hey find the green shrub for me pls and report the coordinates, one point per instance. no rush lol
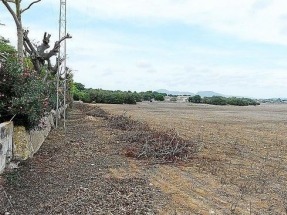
(237, 101)
(215, 100)
(23, 94)
(6, 49)
(195, 99)
(129, 99)
(147, 96)
(159, 97)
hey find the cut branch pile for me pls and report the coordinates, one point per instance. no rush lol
(144, 142)
(83, 107)
(125, 123)
(98, 112)
(165, 146)
(147, 143)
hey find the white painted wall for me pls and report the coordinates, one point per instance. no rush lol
(6, 144)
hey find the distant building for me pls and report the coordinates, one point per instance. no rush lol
(180, 99)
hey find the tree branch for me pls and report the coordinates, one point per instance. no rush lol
(54, 69)
(27, 49)
(5, 2)
(68, 36)
(27, 8)
(56, 48)
(45, 45)
(32, 51)
(29, 44)
(2, 55)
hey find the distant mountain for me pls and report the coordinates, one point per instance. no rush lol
(176, 93)
(201, 93)
(208, 94)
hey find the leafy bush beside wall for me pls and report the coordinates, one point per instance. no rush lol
(23, 94)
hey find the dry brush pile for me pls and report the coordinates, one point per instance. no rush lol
(146, 143)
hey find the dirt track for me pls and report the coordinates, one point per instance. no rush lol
(82, 172)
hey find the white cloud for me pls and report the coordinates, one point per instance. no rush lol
(106, 58)
(259, 20)
(143, 64)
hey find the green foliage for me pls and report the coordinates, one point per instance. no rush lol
(195, 99)
(159, 97)
(129, 98)
(219, 100)
(237, 101)
(149, 95)
(79, 92)
(79, 86)
(215, 100)
(137, 96)
(7, 49)
(104, 96)
(23, 94)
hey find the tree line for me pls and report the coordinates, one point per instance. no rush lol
(90, 95)
(220, 100)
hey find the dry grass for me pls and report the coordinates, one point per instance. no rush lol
(241, 166)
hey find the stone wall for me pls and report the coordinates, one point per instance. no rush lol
(18, 143)
(27, 143)
(6, 144)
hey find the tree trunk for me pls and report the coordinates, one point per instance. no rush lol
(20, 44)
(20, 32)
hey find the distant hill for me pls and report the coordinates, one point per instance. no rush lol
(176, 93)
(201, 93)
(208, 94)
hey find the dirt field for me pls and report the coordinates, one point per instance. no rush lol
(240, 167)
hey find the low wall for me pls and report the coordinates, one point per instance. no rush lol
(6, 144)
(27, 143)
(18, 143)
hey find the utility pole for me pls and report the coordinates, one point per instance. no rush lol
(62, 72)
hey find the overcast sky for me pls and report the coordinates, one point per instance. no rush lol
(228, 46)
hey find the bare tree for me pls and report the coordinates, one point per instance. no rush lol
(40, 56)
(17, 16)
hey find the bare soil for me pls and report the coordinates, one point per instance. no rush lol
(241, 164)
(239, 168)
